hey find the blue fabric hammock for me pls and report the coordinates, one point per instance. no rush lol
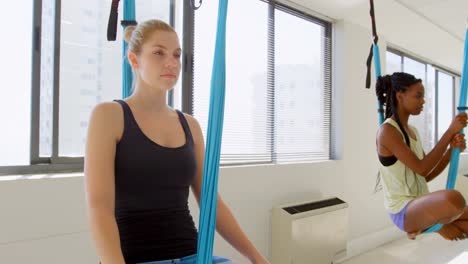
(208, 204)
(452, 175)
(128, 20)
(455, 157)
(209, 200)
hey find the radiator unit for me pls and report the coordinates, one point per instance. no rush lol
(313, 232)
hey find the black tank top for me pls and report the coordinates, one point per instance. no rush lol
(151, 194)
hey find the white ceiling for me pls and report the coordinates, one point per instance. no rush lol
(449, 15)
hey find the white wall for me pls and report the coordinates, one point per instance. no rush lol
(43, 220)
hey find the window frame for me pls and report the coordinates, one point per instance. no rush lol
(59, 164)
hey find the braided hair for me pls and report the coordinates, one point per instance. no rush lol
(387, 87)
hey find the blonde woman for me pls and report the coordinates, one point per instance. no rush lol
(142, 157)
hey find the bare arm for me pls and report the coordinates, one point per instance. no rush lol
(105, 124)
(390, 139)
(226, 224)
(440, 167)
(457, 142)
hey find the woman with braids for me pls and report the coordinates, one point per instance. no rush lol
(405, 169)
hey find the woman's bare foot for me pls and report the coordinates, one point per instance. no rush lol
(413, 235)
(463, 226)
(451, 232)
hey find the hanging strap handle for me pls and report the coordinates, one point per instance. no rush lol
(195, 7)
(113, 18)
(376, 40)
(112, 24)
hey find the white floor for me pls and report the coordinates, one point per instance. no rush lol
(427, 249)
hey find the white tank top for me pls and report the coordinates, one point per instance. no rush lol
(401, 184)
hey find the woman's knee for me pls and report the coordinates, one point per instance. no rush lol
(455, 200)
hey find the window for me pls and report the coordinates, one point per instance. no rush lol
(439, 95)
(445, 84)
(73, 67)
(277, 82)
(246, 132)
(277, 105)
(15, 111)
(394, 63)
(89, 63)
(302, 91)
(46, 79)
(424, 121)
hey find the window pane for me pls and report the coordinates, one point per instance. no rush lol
(15, 111)
(393, 63)
(179, 20)
(445, 86)
(47, 78)
(90, 66)
(430, 105)
(246, 131)
(301, 98)
(425, 121)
